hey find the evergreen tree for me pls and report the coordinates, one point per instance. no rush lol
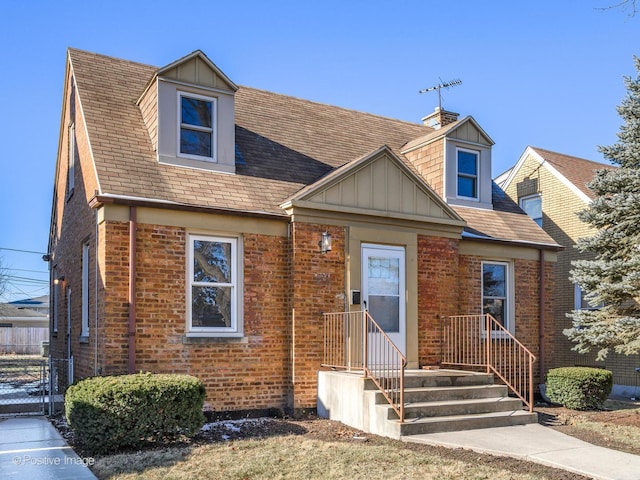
(612, 276)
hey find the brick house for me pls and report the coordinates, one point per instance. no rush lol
(552, 188)
(203, 227)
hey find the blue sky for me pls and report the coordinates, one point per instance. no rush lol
(546, 73)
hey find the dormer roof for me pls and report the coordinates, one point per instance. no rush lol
(196, 66)
(464, 129)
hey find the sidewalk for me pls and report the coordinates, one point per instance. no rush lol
(544, 445)
(31, 448)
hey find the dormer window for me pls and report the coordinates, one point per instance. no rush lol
(467, 173)
(189, 110)
(197, 126)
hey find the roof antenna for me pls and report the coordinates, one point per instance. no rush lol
(447, 85)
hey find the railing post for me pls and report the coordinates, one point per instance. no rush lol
(530, 384)
(402, 392)
(488, 341)
(365, 346)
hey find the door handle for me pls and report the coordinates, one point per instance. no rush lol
(365, 304)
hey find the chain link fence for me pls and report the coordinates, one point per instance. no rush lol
(23, 384)
(33, 385)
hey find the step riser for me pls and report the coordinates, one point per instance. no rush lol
(453, 393)
(420, 381)
(504, 405)
(447, 381)
(409, 428)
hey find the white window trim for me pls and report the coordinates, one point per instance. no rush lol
(530, 197)
(237, 324)
(466, 175)
(71, 163)
(85, 290)
(213, 129)
(509, 323)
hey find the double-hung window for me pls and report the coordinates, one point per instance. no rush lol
(197, 126)
(532, 205)
(214, 279)
(467, 164)
(495, 291)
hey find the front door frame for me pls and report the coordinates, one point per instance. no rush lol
(368, 250)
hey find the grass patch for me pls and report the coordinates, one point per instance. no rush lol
(623, 435)
(293, 457)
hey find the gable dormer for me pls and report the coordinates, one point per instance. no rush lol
(455, 160)
(188, 108)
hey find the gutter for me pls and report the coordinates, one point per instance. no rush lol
(514, 243)
(132, 288)
(99, 200)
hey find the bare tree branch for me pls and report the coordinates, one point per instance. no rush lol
(630, 5)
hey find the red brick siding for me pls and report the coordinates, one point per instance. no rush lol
(73, 224)
(318, 286)
(252, 374)
(527, 311)
(437, 293)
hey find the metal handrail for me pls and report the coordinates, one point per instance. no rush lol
(482, 341)
(353, 340)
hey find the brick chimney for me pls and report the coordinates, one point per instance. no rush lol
(439, 118)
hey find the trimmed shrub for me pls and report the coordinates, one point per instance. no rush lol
(129, 411)
(579, 388)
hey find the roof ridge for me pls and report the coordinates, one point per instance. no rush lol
(353, 110)
(538, 149)
(305, 100)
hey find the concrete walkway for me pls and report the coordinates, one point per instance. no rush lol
(544, 445)
(31, 448)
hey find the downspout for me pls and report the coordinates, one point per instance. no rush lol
(132, 289)
(541, 317)
(96, 370)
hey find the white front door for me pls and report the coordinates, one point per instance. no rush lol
(383, 290)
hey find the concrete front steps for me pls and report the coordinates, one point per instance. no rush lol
(435, 401)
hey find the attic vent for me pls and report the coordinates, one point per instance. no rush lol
(528, 186)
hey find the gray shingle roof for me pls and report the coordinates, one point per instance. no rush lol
(282, 145)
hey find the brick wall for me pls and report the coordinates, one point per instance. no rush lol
(437, 293)
(73, 224)
(526, 300)
(319, 287)
(238, 375)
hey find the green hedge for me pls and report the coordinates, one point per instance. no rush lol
(579, 388)
(129, 411)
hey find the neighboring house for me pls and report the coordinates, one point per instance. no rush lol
(24, 325)
(191, 219)
(552, 188)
